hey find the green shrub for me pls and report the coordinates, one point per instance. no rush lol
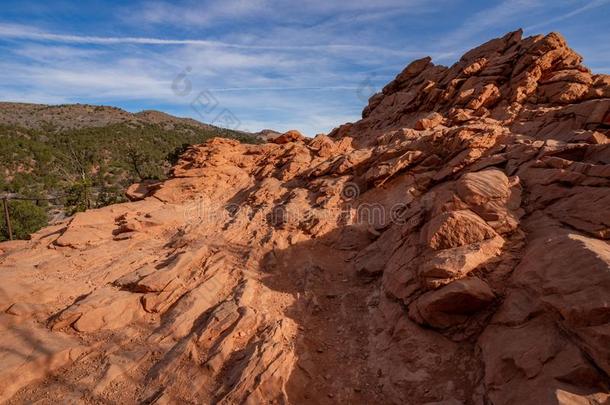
(26, 218)
(78, 197)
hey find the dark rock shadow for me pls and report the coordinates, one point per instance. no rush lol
(330, 310)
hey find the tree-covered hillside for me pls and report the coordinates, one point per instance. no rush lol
(71, 170)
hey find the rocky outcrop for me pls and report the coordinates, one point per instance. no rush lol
(450, 247)
(451, 304)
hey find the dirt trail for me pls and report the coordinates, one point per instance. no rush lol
(332, 315)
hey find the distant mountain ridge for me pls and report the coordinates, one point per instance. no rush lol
(78, 116)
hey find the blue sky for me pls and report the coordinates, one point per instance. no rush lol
(257, 64)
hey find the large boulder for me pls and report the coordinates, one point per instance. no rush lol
(451, 304)
(454, 229)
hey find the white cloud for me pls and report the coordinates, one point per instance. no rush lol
(197, 13)
(588, 6)
(13, 31)
(74, 79)
(283, 88)
(20, 96)
(496, 16)
(50, 53)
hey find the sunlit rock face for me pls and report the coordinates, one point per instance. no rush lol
(450, 247)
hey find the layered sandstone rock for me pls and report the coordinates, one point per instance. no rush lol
(450, 247)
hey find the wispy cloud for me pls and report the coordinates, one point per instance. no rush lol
(197, 13)
(160, 12)
(499, 15)
(50, 53)
(588, 6)
(106, 83)
(31, 33)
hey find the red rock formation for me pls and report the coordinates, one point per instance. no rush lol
(450, 247)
